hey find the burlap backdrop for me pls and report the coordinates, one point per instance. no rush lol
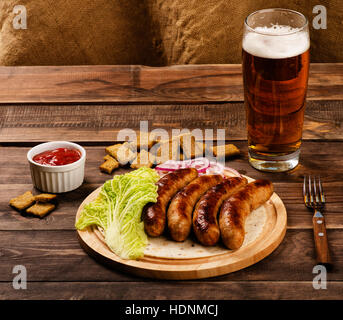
(69, 32)
(150, 32)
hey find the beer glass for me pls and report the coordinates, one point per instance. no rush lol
(275, 53)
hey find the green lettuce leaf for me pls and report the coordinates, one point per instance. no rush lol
(118, 209)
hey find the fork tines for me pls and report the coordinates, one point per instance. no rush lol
(313, 192)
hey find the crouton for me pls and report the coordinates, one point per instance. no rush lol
(144, 141)
(45, 197)
(23, 201)
(113, 150)
(227, 150)
(109, 165)
(41, 209)
(144, 159)
(190, 147)
(125, 154)
(168, 150)
(121, 152)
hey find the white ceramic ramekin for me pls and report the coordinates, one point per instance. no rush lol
(57, 179)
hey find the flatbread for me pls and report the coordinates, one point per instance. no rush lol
(163, 247)
(166, 248)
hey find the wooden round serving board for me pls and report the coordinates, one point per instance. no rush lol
(273, 232)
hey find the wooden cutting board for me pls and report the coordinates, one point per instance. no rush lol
(214, 264)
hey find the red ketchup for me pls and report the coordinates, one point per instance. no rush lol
(57, 157)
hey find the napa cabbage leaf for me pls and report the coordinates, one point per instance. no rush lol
(117, 211)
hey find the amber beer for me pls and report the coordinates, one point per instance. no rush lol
(275, 73)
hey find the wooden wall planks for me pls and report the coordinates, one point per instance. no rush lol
(95, 123)
(186, 83)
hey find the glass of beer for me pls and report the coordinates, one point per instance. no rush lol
(275, 56)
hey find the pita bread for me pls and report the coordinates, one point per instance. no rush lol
(164, 247)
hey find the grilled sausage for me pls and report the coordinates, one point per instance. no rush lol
(236, 209)
(154, 214)
(179, 215)
(205, 224)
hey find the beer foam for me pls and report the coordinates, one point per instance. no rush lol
(276, 42)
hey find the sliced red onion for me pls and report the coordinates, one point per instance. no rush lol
(203, 166)
(217, 167)
(185, 164)
(211, 171)
(170, 165)
(233, 171)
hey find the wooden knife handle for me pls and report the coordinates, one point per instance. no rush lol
(320, 239)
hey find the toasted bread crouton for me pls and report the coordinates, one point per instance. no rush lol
(41, 209)
(144, 141)
(168, 150)
(144, 159)
(121, 152)
(228, 150)
(45, 197)
(108, 157)
(191, 148)
(112, 150)
(109, 165)
(23, 201)
(125, 154)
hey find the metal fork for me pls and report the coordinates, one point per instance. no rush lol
(314, 199)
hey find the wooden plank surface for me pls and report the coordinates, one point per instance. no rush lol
(56, 255)
(90, 105)
(98, 123)
(186, 83)
(259, 290)
(50, 250)
(15, 179)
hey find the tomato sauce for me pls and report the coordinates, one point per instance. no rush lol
(57, 157)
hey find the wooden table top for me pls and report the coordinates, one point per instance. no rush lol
(89, 105)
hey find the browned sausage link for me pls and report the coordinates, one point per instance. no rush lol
(179, 215)
(236, 209)
(205, 224)
(154, 215)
